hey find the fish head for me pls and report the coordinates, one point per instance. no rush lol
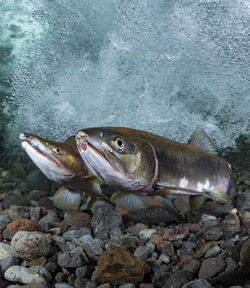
(59, 161)
(118, 157)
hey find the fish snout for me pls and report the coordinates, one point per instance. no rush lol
(22, 136)
(82, 140)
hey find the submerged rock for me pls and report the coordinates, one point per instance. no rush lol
(245, 255)
(154, 215)
(30, 245)
(24, 225)
(211, 267)
(23, 275)
(118, 266)
(105, 218)
(6, 251)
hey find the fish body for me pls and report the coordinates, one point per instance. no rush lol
(148, 164)
(62, 163)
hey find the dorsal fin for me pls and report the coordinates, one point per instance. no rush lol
(200, 139)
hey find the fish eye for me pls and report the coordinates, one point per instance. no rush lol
(119, 144)
(56, 149)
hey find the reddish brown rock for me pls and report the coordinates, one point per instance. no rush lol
(41, 261)
(156, 239)
(185, 259)
(118, 266)
(166, 233)
(24, 225)
(194, 227)
(77, 221)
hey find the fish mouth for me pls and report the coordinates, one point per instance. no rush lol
(38, 146)
(90, 145)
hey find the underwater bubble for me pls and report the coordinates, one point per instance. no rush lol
(164, 66)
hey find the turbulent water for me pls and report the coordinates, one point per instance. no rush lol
(163, 66)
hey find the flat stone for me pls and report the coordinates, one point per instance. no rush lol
(30, 245)
(200, 283)
(23, 275)
(105, 218)
(24, 225)
(214, 233)
(72, 259)
(211, 267)
(118, 266)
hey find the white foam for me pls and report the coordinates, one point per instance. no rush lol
(162, 66)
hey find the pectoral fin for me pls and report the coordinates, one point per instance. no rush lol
(129, 201)
(67, 200)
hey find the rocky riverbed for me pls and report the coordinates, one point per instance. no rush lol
(166, 245)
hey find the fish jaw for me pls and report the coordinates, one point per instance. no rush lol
(43, 160)
(98, 162)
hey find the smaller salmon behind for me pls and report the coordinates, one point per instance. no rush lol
(62, 163)
(143, 163)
